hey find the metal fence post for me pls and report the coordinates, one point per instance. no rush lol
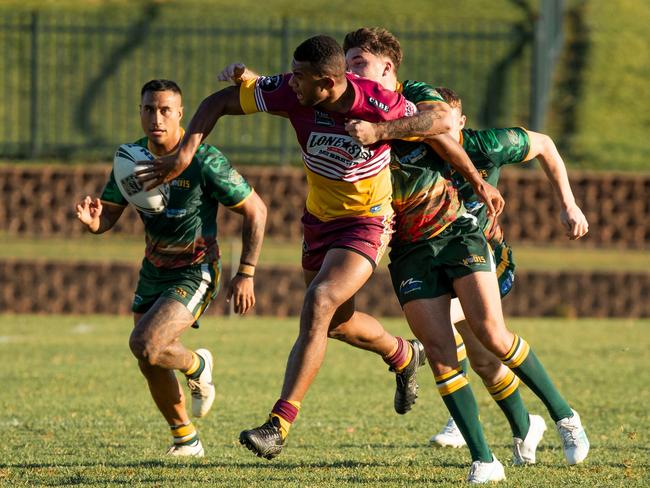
(284, 60)
(33, 87)
(547, 45)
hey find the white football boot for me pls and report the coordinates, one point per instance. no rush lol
(574, 438)
(202, 389)
(195, 449)
(523, 450)
(482, 472)
(449, 436)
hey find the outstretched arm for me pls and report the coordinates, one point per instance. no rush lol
(161, 170)
(98, 217)
(543, 148)
(241, 288)
(432, 118)
(451, 151)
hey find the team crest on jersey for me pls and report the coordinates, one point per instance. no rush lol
(323, 118)
(341, 149)
(378, 104)
(513, 137)
(269, 83)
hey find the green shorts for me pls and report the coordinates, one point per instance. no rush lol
(505, 267)
(427, 269)
(194, 286)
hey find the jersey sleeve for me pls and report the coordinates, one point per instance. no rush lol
(267, 94)
(223, 182)
(420, 92)
(505, 146)
(112, 193)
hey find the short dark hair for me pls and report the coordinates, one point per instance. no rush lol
(160, 85)
(451, 97)
(377, 41)
(324, 54)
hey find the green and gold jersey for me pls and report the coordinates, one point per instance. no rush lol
(424, 198)
(185, 233)
(489, 150)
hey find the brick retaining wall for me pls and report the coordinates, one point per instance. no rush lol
(39, 200)
(85, 288)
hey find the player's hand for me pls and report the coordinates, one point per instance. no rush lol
(365, 133)
(235, 72)
(574, 221)
(242, 291)
(160, 170)
(491, 197)
(89, 212)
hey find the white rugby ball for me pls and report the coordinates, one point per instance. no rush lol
(124, 165)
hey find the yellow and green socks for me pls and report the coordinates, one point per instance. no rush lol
(286, 412)
(459, 399)
(524, 363)
(194, 371)
(506, 394)
(184, 434)
(461, 352)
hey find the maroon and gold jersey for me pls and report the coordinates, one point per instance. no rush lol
(345, 179)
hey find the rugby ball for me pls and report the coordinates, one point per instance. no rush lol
(124, 165)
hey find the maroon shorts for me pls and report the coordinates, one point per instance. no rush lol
(368, 236)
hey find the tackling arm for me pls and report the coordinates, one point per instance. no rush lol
(432, 118)
(451, 151)
(543, 148)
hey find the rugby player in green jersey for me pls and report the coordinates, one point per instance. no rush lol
(426, 270)
(490, 150)
(180, 272)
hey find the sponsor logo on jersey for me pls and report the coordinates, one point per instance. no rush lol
(338, 148)
(474, 259)
(180, 292)
(409, 286)
(175, 213)
(323, 118)
(378, 104)
(375, 208)
(137, 299)
(181, 183)
(414, 156)
(269, 83)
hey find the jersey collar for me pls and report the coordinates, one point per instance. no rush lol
(150, 146)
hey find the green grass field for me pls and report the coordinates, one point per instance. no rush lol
(123, 249)
(75, 410)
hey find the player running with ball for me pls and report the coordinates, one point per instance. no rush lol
(180, 272)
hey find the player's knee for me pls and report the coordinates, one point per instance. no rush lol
(320, 300)
(145, 351)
